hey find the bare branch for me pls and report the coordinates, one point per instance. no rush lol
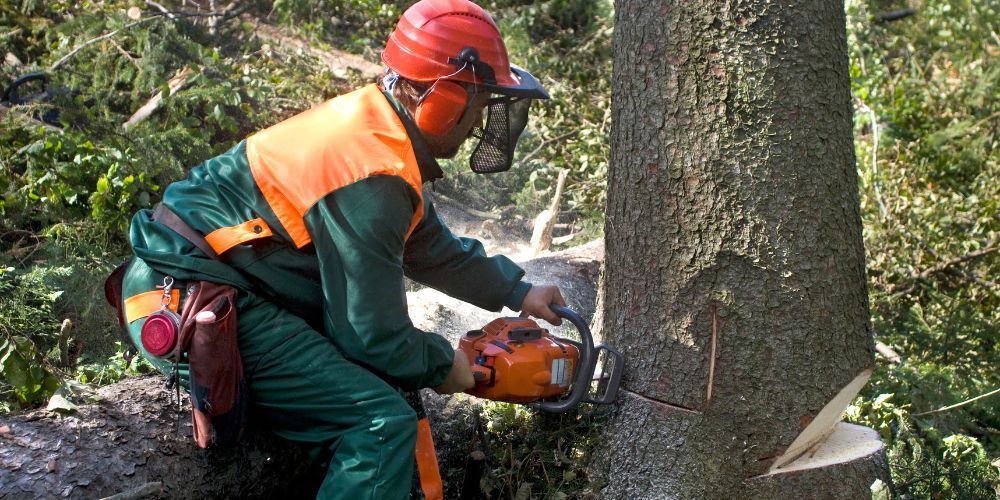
(174, 84)
(530, 156)
(95, 40)
(161, 8)
(963, 403)
(943, 266)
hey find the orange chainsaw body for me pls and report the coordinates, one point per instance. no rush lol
(515, 360)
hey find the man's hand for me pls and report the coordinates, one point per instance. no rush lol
(460, 376)
(538, 303)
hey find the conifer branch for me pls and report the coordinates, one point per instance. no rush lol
(95, 40)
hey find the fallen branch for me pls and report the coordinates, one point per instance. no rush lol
(958, 260)
(174, 84)
(95, 40)
(963, 403)
(875, 183)
(888, 353)
(121, 50)
(562, 240)
(161, 8)
(541, 237)
(948, 266)
(337, 61)
(470, 211)
(65, 331)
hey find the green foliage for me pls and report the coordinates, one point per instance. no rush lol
(539, 455)
(67, 193)
(926, 95)
(23, 373)
(925, 461)
(27, 332)
(120, 365)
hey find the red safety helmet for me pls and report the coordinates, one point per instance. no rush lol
(449, 41)
(456, 40)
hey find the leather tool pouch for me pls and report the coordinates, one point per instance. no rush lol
(219, 392)
(218, 389)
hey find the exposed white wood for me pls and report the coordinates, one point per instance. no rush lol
(846, 442)
(823, 424)
(174, 84)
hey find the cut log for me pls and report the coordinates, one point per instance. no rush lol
(134, 436)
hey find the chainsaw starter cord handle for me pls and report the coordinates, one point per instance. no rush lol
(584, 372)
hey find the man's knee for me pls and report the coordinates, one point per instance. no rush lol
(398, 417)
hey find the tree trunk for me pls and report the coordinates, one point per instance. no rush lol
(734, 277)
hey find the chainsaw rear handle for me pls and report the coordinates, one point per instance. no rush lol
(588, 360)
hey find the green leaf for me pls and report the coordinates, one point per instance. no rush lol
(59, 403)
(523, 492)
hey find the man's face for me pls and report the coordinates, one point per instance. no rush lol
(447, 146)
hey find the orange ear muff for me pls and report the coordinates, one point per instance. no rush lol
(441, 107)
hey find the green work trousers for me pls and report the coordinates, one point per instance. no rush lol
(303, 389)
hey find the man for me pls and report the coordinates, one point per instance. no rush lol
(316, 221)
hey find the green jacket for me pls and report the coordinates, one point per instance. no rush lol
(348, 282)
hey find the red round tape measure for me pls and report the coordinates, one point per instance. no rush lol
(159, 332)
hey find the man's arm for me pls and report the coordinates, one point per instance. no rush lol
(459, 266)
(358, 232)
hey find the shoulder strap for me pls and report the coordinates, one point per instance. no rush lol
(168, 218)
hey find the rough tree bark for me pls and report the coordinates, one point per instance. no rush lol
(734, 277)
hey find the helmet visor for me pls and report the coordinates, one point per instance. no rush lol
(505, 121)
(527, 85)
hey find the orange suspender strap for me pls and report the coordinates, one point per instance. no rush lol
(427, 464)
(224, 238)
(146, 303)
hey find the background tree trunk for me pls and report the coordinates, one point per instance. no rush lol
(734, 280)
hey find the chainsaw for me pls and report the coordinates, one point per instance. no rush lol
(517, 361)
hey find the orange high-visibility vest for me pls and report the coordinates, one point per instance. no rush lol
(346, 139)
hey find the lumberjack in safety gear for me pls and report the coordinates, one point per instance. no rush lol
(315, 222)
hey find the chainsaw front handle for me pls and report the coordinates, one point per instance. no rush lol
(581, 382)
(588, 365)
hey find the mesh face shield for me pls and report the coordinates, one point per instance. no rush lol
(505, 121)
